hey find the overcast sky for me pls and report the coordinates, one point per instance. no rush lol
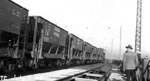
(96, 21)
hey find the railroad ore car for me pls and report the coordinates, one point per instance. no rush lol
(87, 52)
(46, 42)
(94, 54)
(13, 19)
(101, 55)
(76, 49)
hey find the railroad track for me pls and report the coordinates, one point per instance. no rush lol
(97, 74)
(93, 72)
(35, 71)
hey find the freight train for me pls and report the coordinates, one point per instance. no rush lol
(33, 42)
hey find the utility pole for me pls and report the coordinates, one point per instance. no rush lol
(138, 26)
(112, 48)
(120, 42)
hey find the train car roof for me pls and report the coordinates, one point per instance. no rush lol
(76, 36)
(87, 42)
(48, 22)
(17, 4)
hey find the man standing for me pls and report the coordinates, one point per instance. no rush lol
(130, 63)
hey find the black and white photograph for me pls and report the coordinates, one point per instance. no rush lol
(74, 40)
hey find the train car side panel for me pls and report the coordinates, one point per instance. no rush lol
(63, 37)
(10, 16)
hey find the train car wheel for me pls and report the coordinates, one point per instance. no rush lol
(67, 63)
(31, 65)
(8, 67)
(40, 63)
(1, 64)
(58, 63)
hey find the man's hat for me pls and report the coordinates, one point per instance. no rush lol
(129, 46)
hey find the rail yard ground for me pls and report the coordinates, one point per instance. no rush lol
(55, 75)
